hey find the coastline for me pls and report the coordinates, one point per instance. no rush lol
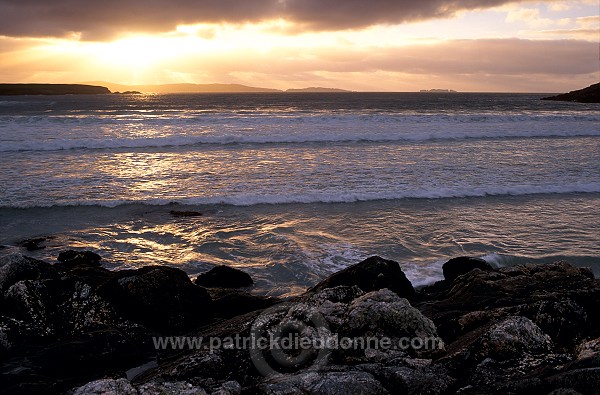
(532, 327)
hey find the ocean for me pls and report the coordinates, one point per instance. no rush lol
(293, 187)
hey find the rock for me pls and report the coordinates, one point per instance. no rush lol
(34, 302)
(71, 258)
(170, 388)
(384, 314)
(411, 380)
(159, 297)
(534, 290)
(511, 338)
(325, 383)
(224, 277)
(372, 274)
(229, 388)
(591, 94)
(106, 387)
(233, 303)
(14, 268)
(461, 265)
(523, 329)
(176, 213)
(564, 391)
(33, 244)
(588, 349)
(585, 381)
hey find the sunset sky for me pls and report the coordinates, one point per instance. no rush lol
(376, 45)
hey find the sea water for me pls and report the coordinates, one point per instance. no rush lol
(293, 187)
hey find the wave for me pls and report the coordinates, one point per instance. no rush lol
(342, 197)
(306, 138)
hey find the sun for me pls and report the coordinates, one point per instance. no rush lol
(134, 52)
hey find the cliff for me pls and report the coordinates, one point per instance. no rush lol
(591, 94)
(51, 89)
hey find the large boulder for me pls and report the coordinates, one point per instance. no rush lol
(72, 258)
(382, 313)
(511, 338)
(224, 277)
(464, 264)
(160, 297)
(556, 296)
(15, 268)
(372, 274)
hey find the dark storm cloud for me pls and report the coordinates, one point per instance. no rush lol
(103, 19)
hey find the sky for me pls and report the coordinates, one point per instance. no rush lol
(374, 45)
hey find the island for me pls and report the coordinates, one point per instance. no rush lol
(438, 90)
(51, 89)
(591, 94)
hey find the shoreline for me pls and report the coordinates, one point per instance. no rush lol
(72, 322)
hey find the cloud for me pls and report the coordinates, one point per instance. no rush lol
(105, 19)
(456, 57)
(529, 16)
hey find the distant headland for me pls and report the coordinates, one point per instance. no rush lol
(52, 89)
(591, 94)
(318, 89)
(101, 87)
(205, 88)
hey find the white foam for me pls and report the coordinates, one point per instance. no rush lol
(344, 197)
(48, 134)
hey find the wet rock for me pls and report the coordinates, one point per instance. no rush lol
(33, 244)
(384, 314)
(372, 274)
(585, 381)
(159, 297)
(513, 337)
(411, 380)
(72, 258)
(229, 388)
(325, 383)
(224, 277)
(14, 268)
(170, 388)
(588, 349)
(34, 302)
(176, 213)
(458, 266)
(530, 290)
(107, 386)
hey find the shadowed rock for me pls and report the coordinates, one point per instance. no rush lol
(160, 297)
(224, 277)
(72, 258)
(464, 264)
(33, 244)
(522, 330)
(372, 274)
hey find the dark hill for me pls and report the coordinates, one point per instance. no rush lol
(591, 94)
(51, 89)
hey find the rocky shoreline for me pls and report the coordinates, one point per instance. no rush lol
(75, 327)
